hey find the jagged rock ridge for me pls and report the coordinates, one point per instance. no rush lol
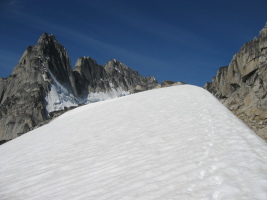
(242, 85)
(43, 85)
(93, 78)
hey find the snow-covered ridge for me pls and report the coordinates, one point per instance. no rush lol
(170, 143)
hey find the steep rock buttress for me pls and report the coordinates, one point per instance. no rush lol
(242, 85)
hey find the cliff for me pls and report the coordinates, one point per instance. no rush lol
(242, 85)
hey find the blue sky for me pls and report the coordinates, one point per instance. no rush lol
(179, 40)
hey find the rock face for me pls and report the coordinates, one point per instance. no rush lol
(43, 85)
(89, 76)
(122, 76)
(114, 76)
(171, 83)
(22, 105)
(242, 86)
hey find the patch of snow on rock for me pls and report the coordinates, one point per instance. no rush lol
(101, 96)
(59, 96)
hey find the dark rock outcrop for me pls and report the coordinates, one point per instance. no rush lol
(89, 76)
(43, 86)
(171, 83)
(242, 86)
(93, 78)
(119, 75)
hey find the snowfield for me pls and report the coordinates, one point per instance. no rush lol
(171, 143)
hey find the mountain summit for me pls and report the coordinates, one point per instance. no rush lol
(43, 83)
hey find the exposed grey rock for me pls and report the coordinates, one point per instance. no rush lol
(93, 78)
(171, 83)
(242, 86)
(55, 57)
(119, 75)
(22, 94)
(21, 108)
(90, 77)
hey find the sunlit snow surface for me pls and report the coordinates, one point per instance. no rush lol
(172, 143)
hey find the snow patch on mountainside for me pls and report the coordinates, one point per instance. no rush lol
(171, 143)
(101, 96)
(59, 96)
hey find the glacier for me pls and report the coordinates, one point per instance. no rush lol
(170, 143)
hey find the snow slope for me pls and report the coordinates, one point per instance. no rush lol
(171, 143)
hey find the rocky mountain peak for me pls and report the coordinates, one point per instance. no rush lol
(30, 93)
(115, 66)
(45, 38)
(81, 61)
